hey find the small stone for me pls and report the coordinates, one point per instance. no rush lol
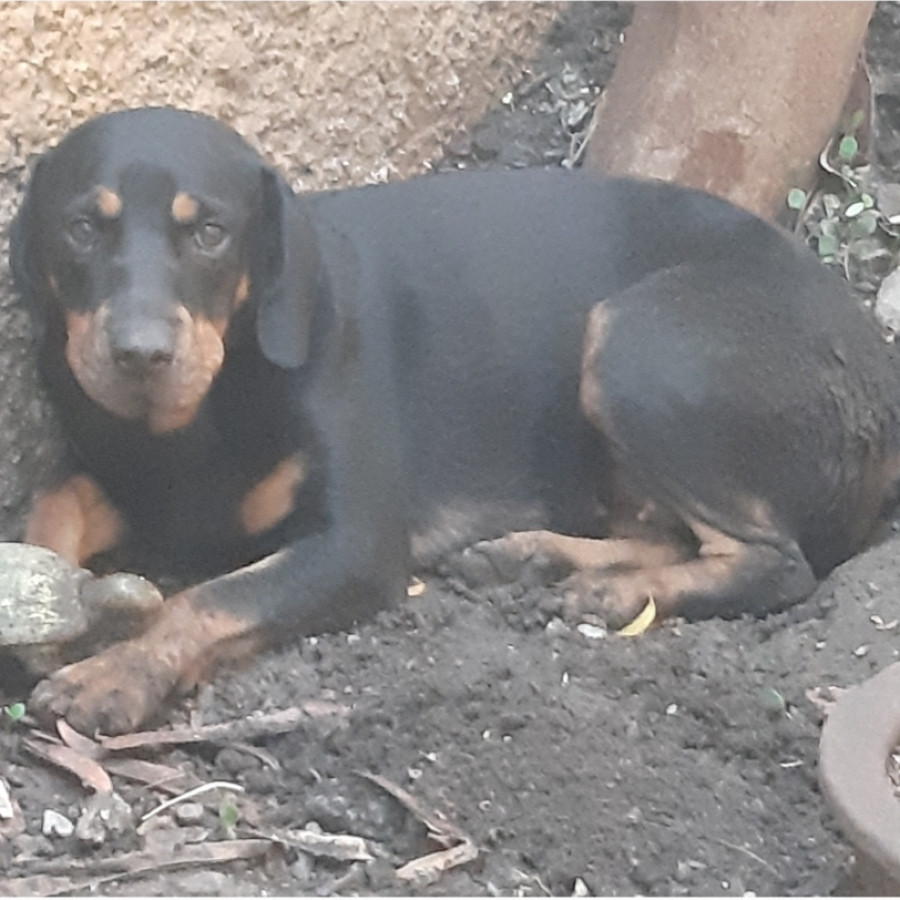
(887, 305)
(189, 813)
(302, 867)
(593, 632)
(104, 815)
(6, 807)
(234, 762)
(556, 627)
(54, 824)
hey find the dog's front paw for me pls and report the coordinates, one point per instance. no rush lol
(114, 692)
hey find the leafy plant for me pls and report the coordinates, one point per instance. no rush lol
(843, 221)
(228, 816)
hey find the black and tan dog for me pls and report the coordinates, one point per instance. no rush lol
(634, 387)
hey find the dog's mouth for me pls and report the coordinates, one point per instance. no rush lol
(162, 393)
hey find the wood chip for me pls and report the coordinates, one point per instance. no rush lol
(427, 869)
(342, 847)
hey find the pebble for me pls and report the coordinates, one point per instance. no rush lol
(302, 867)
(54, 824)
(104, 815)
(189, 813)
(234, 762)
(6, 807)
(592, 632)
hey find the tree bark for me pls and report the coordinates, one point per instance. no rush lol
(735, 98)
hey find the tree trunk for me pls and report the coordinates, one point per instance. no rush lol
(734, 98)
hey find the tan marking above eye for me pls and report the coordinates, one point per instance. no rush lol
(271, 500)
(109, 203)
(184, 208)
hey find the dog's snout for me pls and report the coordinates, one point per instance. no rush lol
(143, 346)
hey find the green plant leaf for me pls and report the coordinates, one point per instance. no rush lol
(796, 198)
(14, 711)
(228, 813)
(772, 701)
(848, 147)
(827, 245)
(864, 224)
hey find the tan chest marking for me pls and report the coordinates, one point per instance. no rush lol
(271, 500)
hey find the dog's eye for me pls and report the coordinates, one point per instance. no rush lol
(209, 235)
(82, 233)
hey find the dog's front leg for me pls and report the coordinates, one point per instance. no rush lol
(320, 583)
(356, 564)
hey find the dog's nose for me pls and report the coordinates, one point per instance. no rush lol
(145, 348)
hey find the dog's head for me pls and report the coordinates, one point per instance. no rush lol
(141, 235)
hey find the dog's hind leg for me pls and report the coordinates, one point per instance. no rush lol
(727, 576)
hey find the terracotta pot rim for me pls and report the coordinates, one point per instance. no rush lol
(859, 735)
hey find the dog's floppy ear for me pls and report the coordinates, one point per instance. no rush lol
(286, 274)
(27, 270)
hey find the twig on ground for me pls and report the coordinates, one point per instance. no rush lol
(128, 865)
(238, 730)
(458, 847)
(749, 853)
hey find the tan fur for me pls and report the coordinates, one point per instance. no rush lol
(272, 499)
(109, 203)
(184, 208)
(75, 520)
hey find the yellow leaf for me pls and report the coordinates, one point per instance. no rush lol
(644, 619)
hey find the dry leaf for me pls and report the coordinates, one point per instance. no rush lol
(77, 741)
(150, 773)
(644, 619)
(89, 771)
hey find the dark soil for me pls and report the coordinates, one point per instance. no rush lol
(682, 762)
